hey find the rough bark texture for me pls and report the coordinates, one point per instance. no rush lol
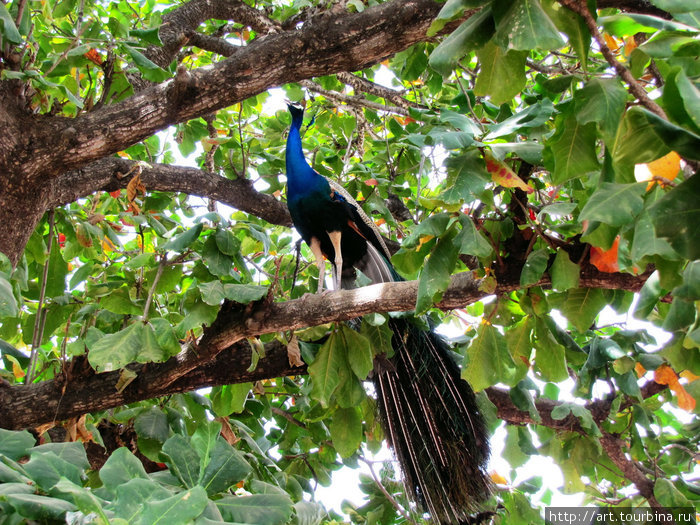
(37, 149)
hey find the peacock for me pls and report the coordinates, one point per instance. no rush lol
(429, 414)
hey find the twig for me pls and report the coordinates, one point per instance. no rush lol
(149, 299)
(634, 87)
(355, 100)
(386, 493)
(38, 324)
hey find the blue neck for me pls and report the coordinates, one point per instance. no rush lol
(301, 177)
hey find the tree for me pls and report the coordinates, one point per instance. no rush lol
(501, 166)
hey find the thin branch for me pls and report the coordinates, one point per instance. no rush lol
(353, 100)
(635, 88)
(386, 493)
(38, 333)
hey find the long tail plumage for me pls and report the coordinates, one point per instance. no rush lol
(429, 413)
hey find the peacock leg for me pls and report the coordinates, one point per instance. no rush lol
(338, 263)
(320, 263)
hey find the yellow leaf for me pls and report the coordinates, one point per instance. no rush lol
(423, 239)
(612, 42)
(664, 375)
(498, 479)
(687, 374)
(630, 45)
(667, 166)
(640, 369)
(107, 245)
(16, 368)
(503, 175)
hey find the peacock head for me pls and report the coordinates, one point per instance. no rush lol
(297, 112)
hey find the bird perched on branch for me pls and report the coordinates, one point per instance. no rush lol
(428, 413)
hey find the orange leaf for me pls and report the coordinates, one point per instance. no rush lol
(687, 374)
(667, 166)
(94, 56)
(371, 182)
(640, 369)
(630, 45)
(503, 175)
(664, 375)
(612, 42)
(606, 260)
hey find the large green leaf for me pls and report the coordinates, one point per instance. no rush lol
(35, 507)
(15, 445)
(601, 100)
(325, 369)
(534, 267)
(121, 467)
(8, 303)
(8, 30)
(582, 306)
(180, 508)
(346, 430)
(573, 147)
(682, 100)
(526, 26)
(183, 240)
(502, 74)
(257, 509)
(644, 136)
(676, 217)
(435, 276)
(229, 399)
(490, 362)
(183, 459)
(471, 35)
(614, 204)
(226, 467)
(359, 351)
(565, 273)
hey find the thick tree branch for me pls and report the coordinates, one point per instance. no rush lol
(105, 174)
(219, 355)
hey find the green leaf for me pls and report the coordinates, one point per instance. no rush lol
(180, 508)
(574, 26)
(472, 34)
(676, 217)
(8, 303)
(152, 424)
(582, 306)
(229, 399)
(602, 100)
(85, 499)
(148, 69)
(550, 357)
(682, 100)
(149, 36)
(669, 496)
(626, 24)
(531, 117)
(46, 469)
(346, 430)
(218, 263)
(379, 336)
(502, 74)
(9, 29)
(212, 292)
(258, 509)
(359, 351)
(134, 495)
(526, 26)
(15, 445)
(119, 302)
(435, 276)
(614, 204)
(183, 240)
(325, 369)
(227, 242)
(226, 467)
(36, 507)
(534, 267)
(489, 361)
(645, 241)
(244, 293)
(58, 269)
(121, 467)
(573, 147)
(472, 240)
(644, 136)
(565, 274)
(183, 460)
